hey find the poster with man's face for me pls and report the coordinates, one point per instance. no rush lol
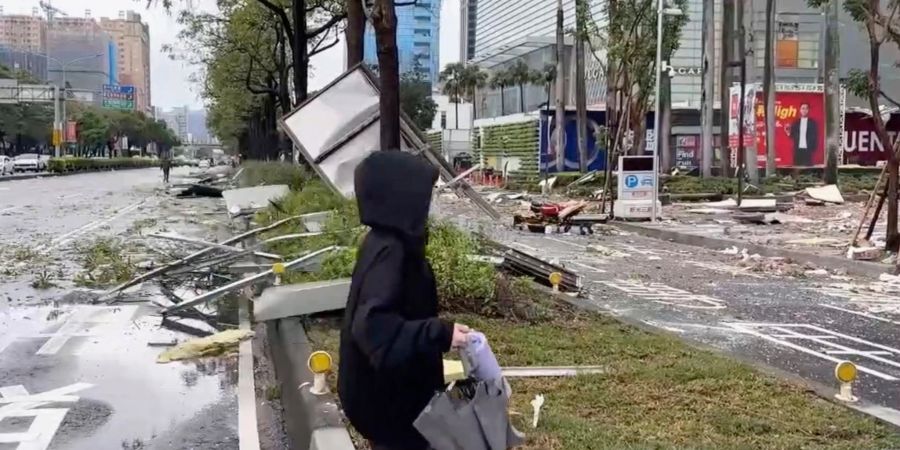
(799, 129)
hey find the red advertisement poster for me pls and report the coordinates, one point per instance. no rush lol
(861, 143)
(799, 129)
(71, 131)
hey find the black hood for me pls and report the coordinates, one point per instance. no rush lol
(393, 191)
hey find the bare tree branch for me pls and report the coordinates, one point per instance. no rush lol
(282, 16)
(327, 25)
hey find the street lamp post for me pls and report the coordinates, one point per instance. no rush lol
(59, 124)
(661, 11)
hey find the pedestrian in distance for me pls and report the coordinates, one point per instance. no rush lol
(392, 341)
(165, 163)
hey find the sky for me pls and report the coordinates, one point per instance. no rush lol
(169, 84)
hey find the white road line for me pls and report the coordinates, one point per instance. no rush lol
(862, 314)
(848, 350)
(591, 268)
(10, 209)
(665, 295)
(561, 241)
(800, 348)
(248, 434)
(855, 339)
(70, 236)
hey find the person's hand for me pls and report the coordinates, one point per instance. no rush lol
(460, 336)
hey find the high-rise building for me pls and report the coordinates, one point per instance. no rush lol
(418, 39)
(79, 53)
(132, 55)
(23, 33)
(178, 120)
(468, 18)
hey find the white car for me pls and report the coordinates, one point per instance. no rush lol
(204, 164)
(28, 162)
(6, 165)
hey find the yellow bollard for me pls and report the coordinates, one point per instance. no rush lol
(555, 279)
(278, 270)
(320, 365)
(845, 372)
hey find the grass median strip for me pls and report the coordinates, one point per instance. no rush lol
(659, 392)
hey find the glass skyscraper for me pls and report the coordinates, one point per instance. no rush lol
(418, 28)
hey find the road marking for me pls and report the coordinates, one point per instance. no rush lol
(665, 295)
(523, 246)
(10, 209)
(562, 241)
(79, 324)
(70, 236)
(724, 268)
(859, 313)
(793, 332)
(45, 421)
(585, 266)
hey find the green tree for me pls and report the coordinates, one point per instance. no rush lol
(415, 99)
(521, 75)
(460, 81)
(627, 36)
(499, 81)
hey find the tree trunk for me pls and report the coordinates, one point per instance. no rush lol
(521, 98)
(502, 101)
(456, 106)
(300, 52)
(769, 87)
(665, 122)
(746, 22)
(707, 95)
(725, 79)
(832, 93)
(580, 90)
(892, 236)
(355, 32)
(384, 20)
(560, 89)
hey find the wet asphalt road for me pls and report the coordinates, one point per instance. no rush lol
(74, 375)
(802, 324)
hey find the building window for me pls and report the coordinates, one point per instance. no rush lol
(787, 46)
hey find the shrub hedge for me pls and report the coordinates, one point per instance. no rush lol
(60, 165)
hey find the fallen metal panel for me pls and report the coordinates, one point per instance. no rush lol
(253, 198)
(193, 256)
(561, 371)
(218, 292)
(201, 242)
(521, 263)
(301, 299)
(315, 222)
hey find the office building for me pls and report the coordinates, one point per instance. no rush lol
(418, 28)
(468, 16)
(80, 53)
(178, 120)
(23, 33)
(132, 55)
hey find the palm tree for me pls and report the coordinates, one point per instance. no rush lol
(520, 75)
(473, 78)
(452, 77)
(500, 81)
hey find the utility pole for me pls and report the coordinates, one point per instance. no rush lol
(706, 97)
(560, 90)
(769, 87)
(725, 79)
(832, 92)
(580, 94)
(751, 167)
(741, 61)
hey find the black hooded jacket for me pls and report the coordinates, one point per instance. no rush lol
(391, 338)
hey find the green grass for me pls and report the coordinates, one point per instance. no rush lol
(659, 393)
(104, 262)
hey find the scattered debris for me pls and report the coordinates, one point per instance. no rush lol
(864, 253)
(523, 264)
(827, 194)
(249, 200)
(555, 371)
(215, 345)
(200, 190)
(536, 405)
(301, 299)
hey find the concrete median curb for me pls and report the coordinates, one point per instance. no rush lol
(864, 268)
(31, 176)
(312, 421)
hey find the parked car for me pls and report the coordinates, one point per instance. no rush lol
(6, 165)
(204, 164)
(27, 162)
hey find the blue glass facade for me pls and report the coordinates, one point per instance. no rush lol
(418, 34)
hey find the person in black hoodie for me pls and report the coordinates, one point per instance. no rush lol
(391, 339)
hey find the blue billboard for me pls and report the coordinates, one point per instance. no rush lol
(552, 162)
(116, 96)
